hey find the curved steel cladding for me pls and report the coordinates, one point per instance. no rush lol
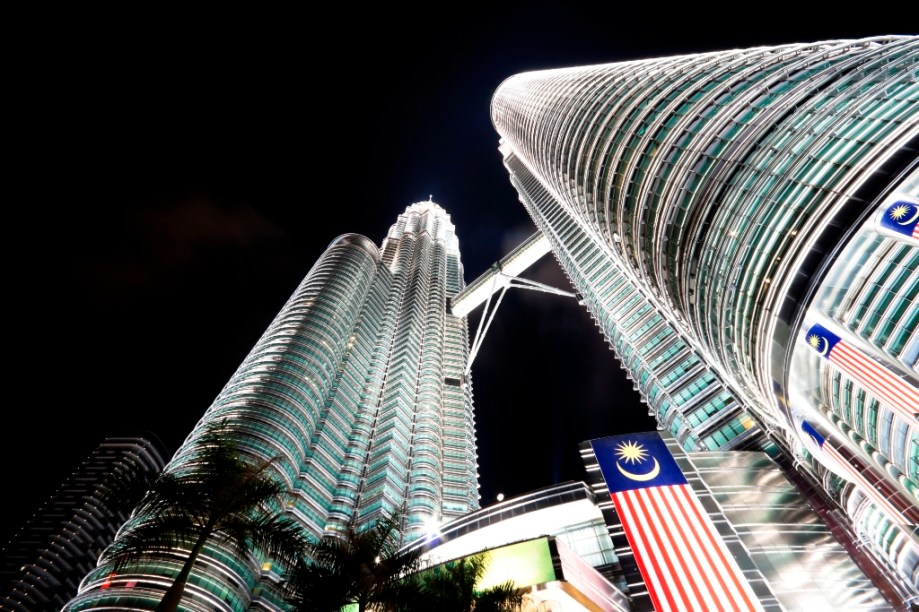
(280, 394)
(739, 197)
(833, 116)
(274, 405)
(862, 394)
(683, 393)
(357, 386)
(276, 398)
(708, 174)
(49, 556)
(422, 453)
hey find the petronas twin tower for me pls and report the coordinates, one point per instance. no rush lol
(357, 385)
(742, 225)
(732, 221)
(357, 382)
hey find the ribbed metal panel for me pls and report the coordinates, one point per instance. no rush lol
(352, 387)
(730, 195)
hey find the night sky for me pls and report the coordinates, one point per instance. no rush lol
(175, 176)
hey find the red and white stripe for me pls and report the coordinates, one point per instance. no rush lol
(859, 479)
(681, 556)
(896, 393)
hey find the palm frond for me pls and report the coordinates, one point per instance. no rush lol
(313, 588)
(170, 493)
(277, 536)
(363, 562)
(158, 533)
(252, 486)
(214, 495)
(505, 597)
(124, 487)
(451, 587)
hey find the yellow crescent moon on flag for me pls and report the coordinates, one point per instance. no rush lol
(826, 346)
(913, 218)
(641, 477)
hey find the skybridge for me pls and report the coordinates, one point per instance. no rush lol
(502, 275)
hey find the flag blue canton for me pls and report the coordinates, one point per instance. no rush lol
(809, 430)
(636, 461)
(821, 339)
(901, 216)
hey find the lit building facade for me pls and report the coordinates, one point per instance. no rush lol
(358, 386)
(783, 548)
(741, 225)
(568, 517)
(44, 562)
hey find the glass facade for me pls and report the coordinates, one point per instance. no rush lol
(687, 397)
(870, 299)
(710, 210)
(357, 386)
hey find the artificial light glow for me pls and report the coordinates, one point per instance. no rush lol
(431, 526)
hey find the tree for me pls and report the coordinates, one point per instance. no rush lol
(361, 565)
(220, 498)
(451, 587)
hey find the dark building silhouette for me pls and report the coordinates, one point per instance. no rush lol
(44, 562)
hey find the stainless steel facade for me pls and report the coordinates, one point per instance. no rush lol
(711, 210)
(358, 385)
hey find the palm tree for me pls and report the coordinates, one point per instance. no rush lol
(220, 499)
(361, 565)
(451, 587)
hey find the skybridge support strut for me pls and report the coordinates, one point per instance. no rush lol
(500, 283)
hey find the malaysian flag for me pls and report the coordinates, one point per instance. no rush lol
(836, 463)
(893, 391)
(682, 558)
(902, 217)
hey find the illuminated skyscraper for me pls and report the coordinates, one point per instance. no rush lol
(742, 227)
(358, 386)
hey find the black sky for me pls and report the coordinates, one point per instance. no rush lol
(176, 175)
